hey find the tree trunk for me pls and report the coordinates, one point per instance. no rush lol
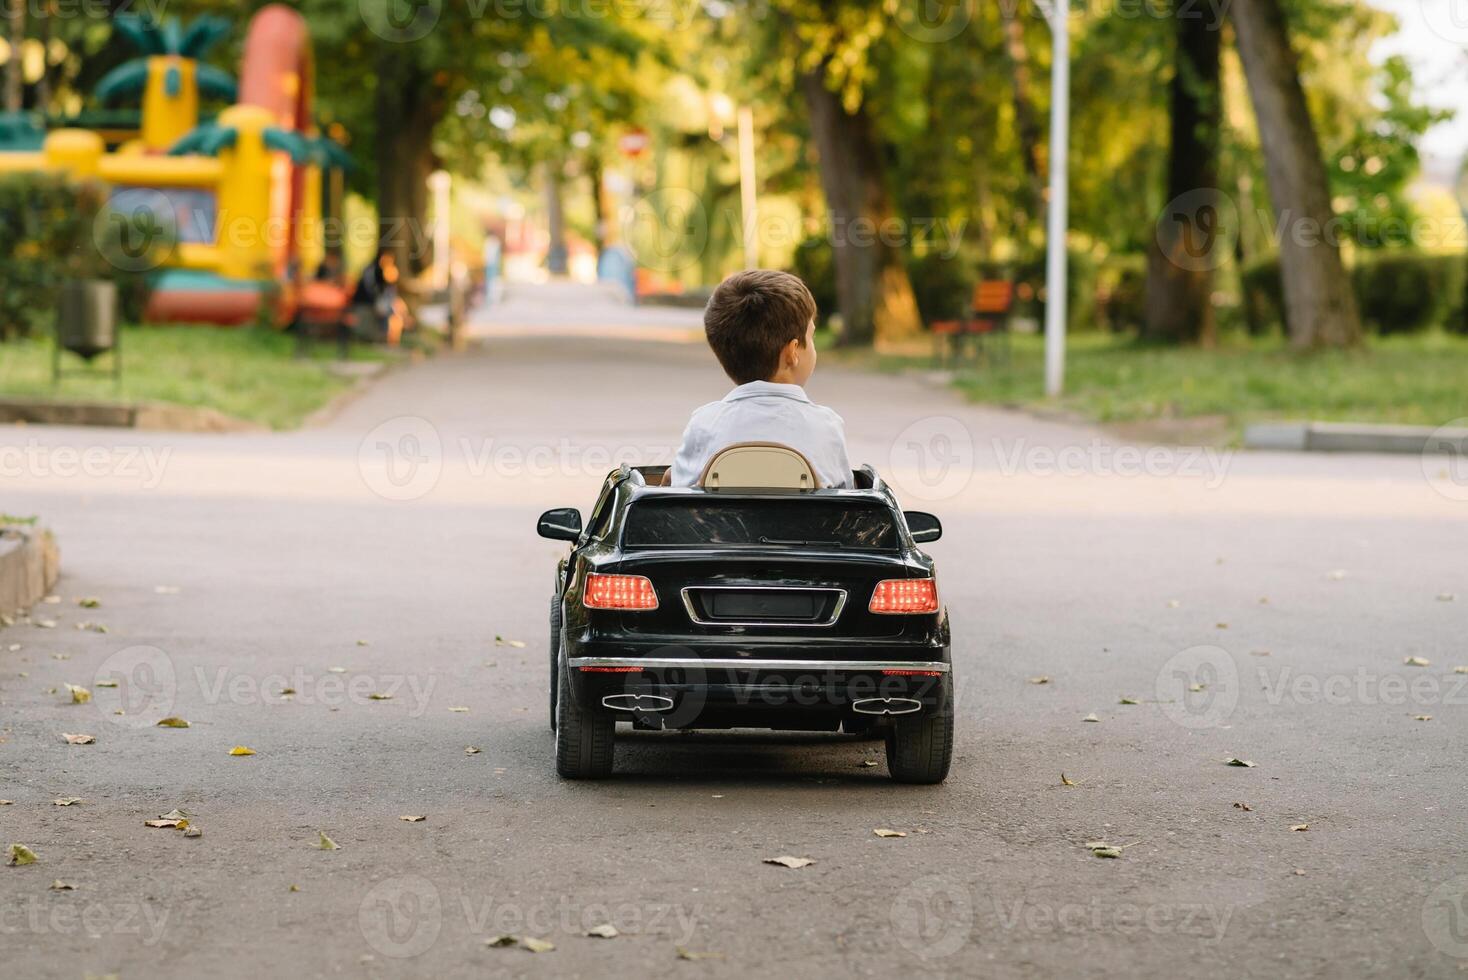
(603, 229)
(1026, 120)
(557, 258)
(1179, 306)
(873, 292)
(407, 108)
(1320, 307)
(14, 80)
(43, 32)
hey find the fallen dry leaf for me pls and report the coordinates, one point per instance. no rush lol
(413, 819)
(193, 832)
(107, 683)
(537, 945)
(689, 954)
(1091, 717)
(67, 800)
(786, 861)
(604, 931)
(175, 814)
(459, 708)
(337, 670)
(1244, 806)
(1300, 827)
(884, 832)
(326, 843)
(1422, 717)
(20, 854)
(1065, 780)
(166, 824)
(79, 695)
(1445, 597)
(470, 750)
(868, 763)
(497, 942)
(1106, 852)
(1337, 575)
(241, 750)
(1417, 662)
(377, 696)
(1128, 701)
(172, 722)
(363, 643)
(1244, 763)
(62, 886)
(1042, 679)
(78, 739)
(7, 803)
(89, 602)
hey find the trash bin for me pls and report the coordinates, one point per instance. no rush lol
(86, 322)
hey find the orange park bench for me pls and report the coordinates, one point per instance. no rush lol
(987, 322)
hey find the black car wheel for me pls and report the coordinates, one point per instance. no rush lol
(920, 747)
(584, 737)
(555, 654)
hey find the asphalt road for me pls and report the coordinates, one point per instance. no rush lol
(385, 552)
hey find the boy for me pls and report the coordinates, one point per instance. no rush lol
(761, 326)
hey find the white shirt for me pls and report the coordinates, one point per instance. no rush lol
(763, 411)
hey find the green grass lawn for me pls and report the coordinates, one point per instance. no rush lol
(246, 372)
(1421, 379)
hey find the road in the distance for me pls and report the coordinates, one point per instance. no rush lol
(1104, 572)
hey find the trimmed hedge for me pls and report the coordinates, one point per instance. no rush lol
(1398, 292)
(48, 234)
(1106, 295)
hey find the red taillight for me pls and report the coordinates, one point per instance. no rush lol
(899, 596)
(619, 592)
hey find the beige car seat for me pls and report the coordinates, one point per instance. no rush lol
(762, 465)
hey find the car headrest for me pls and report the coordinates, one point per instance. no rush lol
(758, 465)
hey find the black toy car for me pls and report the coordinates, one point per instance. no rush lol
(808, 610)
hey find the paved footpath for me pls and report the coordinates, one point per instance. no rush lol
(384, 553)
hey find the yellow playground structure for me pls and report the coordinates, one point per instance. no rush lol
(240, 203)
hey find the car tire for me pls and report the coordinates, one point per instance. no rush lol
(920, 747)
(555, 655)
(585, 738)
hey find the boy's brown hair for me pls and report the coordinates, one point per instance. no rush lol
(752, 316)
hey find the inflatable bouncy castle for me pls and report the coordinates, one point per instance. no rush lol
(244, 198)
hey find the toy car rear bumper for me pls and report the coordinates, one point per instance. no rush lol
(719, 687)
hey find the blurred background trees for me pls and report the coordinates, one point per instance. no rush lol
(901, 148)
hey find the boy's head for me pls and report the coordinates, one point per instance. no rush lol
(761, 325)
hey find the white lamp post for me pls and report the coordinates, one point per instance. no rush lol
(1055, 270)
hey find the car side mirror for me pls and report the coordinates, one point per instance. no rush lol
(924, 527)
(561, 524)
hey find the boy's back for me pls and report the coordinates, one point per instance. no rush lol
(761, 326)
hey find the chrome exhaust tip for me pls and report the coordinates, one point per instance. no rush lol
(637, 702)
(886, 706)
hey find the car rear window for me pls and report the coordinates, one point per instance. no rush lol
(778, 522)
